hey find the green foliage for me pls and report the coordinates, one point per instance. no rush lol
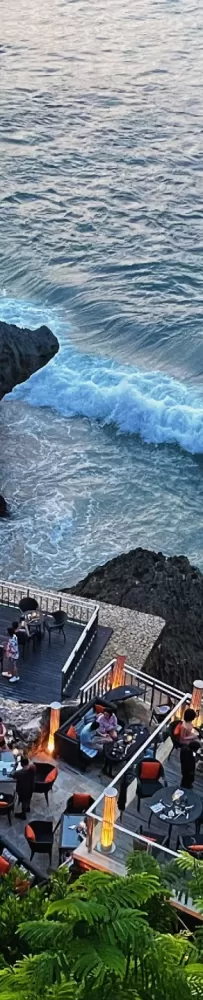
(101, 935)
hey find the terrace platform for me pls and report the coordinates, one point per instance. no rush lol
(40, 671)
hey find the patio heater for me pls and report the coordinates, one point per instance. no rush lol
(196, 700)
(54, 723)
(106, 844)
(118, 673)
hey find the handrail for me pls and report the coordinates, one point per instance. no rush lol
(140, 674)
(13, 592)
(79, 649)
(150, 739)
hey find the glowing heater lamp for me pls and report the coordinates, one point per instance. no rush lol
(118, 676)
(54, 723)
(197, 696)
(106, 844)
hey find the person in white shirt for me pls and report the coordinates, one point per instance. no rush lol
(12, 653)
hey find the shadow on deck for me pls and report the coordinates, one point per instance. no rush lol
(40, 671)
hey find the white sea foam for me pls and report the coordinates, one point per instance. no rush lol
(158, 408)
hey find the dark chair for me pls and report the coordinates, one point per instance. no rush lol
(194, 845)
(157, 839)
(159, 714)
(55, 623)
(79, 803)
(45, 777)
(150, 778)
(39, 835)
(7, 806)
(28, 604)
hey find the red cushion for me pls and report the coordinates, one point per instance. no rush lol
(177, 730)
(99, 709)
(80, 800)
(4, 866)
(51, 776)
(72, 732)
(150, 769)
(2, 803)
(29, 832)
(195, 847)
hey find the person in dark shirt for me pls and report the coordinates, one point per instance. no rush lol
(25, 780)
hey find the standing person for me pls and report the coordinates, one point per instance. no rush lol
(187, 732)
(25, 780)
(187, 762)
(12, 653)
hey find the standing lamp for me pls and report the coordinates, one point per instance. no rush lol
(118, 674)
(54, 723)
(196, 700)
(106, 844)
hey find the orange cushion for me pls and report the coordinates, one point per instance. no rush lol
(2, 803)
(51, 776)
(80, 800)
(177, 730)
(72, 732)
(195, 847)
(29, 832)
(99, 709)
(4, 866)
(150, 769)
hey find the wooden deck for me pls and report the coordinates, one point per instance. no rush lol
(40, 671)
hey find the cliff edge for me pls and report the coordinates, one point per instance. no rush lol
(168, 587)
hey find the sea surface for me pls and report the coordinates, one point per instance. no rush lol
(101, 222)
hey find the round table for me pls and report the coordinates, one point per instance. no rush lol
(165, 795)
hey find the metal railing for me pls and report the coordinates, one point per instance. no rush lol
(151, 690)
(79, 651)
(77, 609)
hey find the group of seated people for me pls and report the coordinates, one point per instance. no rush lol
(102, 728)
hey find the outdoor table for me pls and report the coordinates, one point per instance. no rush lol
(69, 836)
(120, 751)
(164, 796)
(7, 769)
(123, 692)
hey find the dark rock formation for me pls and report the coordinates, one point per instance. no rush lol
(22, 352)
(4, 512)
(172, 588)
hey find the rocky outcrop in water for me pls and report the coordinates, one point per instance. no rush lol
(170, 587)
(22, 352)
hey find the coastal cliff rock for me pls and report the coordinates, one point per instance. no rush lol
(170, 587)
(22, 352)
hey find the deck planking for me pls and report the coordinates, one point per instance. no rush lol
(40, 671)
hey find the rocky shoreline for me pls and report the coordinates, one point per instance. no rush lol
(22, 352)
(168, 587)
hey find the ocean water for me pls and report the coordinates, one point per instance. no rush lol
(101, 238)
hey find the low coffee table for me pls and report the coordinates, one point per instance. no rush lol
(165, 796)
(69, 836)
(120, 751)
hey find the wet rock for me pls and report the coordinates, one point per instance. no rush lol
(4, 512)
(22, 352)
(168, 587)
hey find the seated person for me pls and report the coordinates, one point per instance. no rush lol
(107, 725)
(187, 732)
(90, 737)
(20, 627)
